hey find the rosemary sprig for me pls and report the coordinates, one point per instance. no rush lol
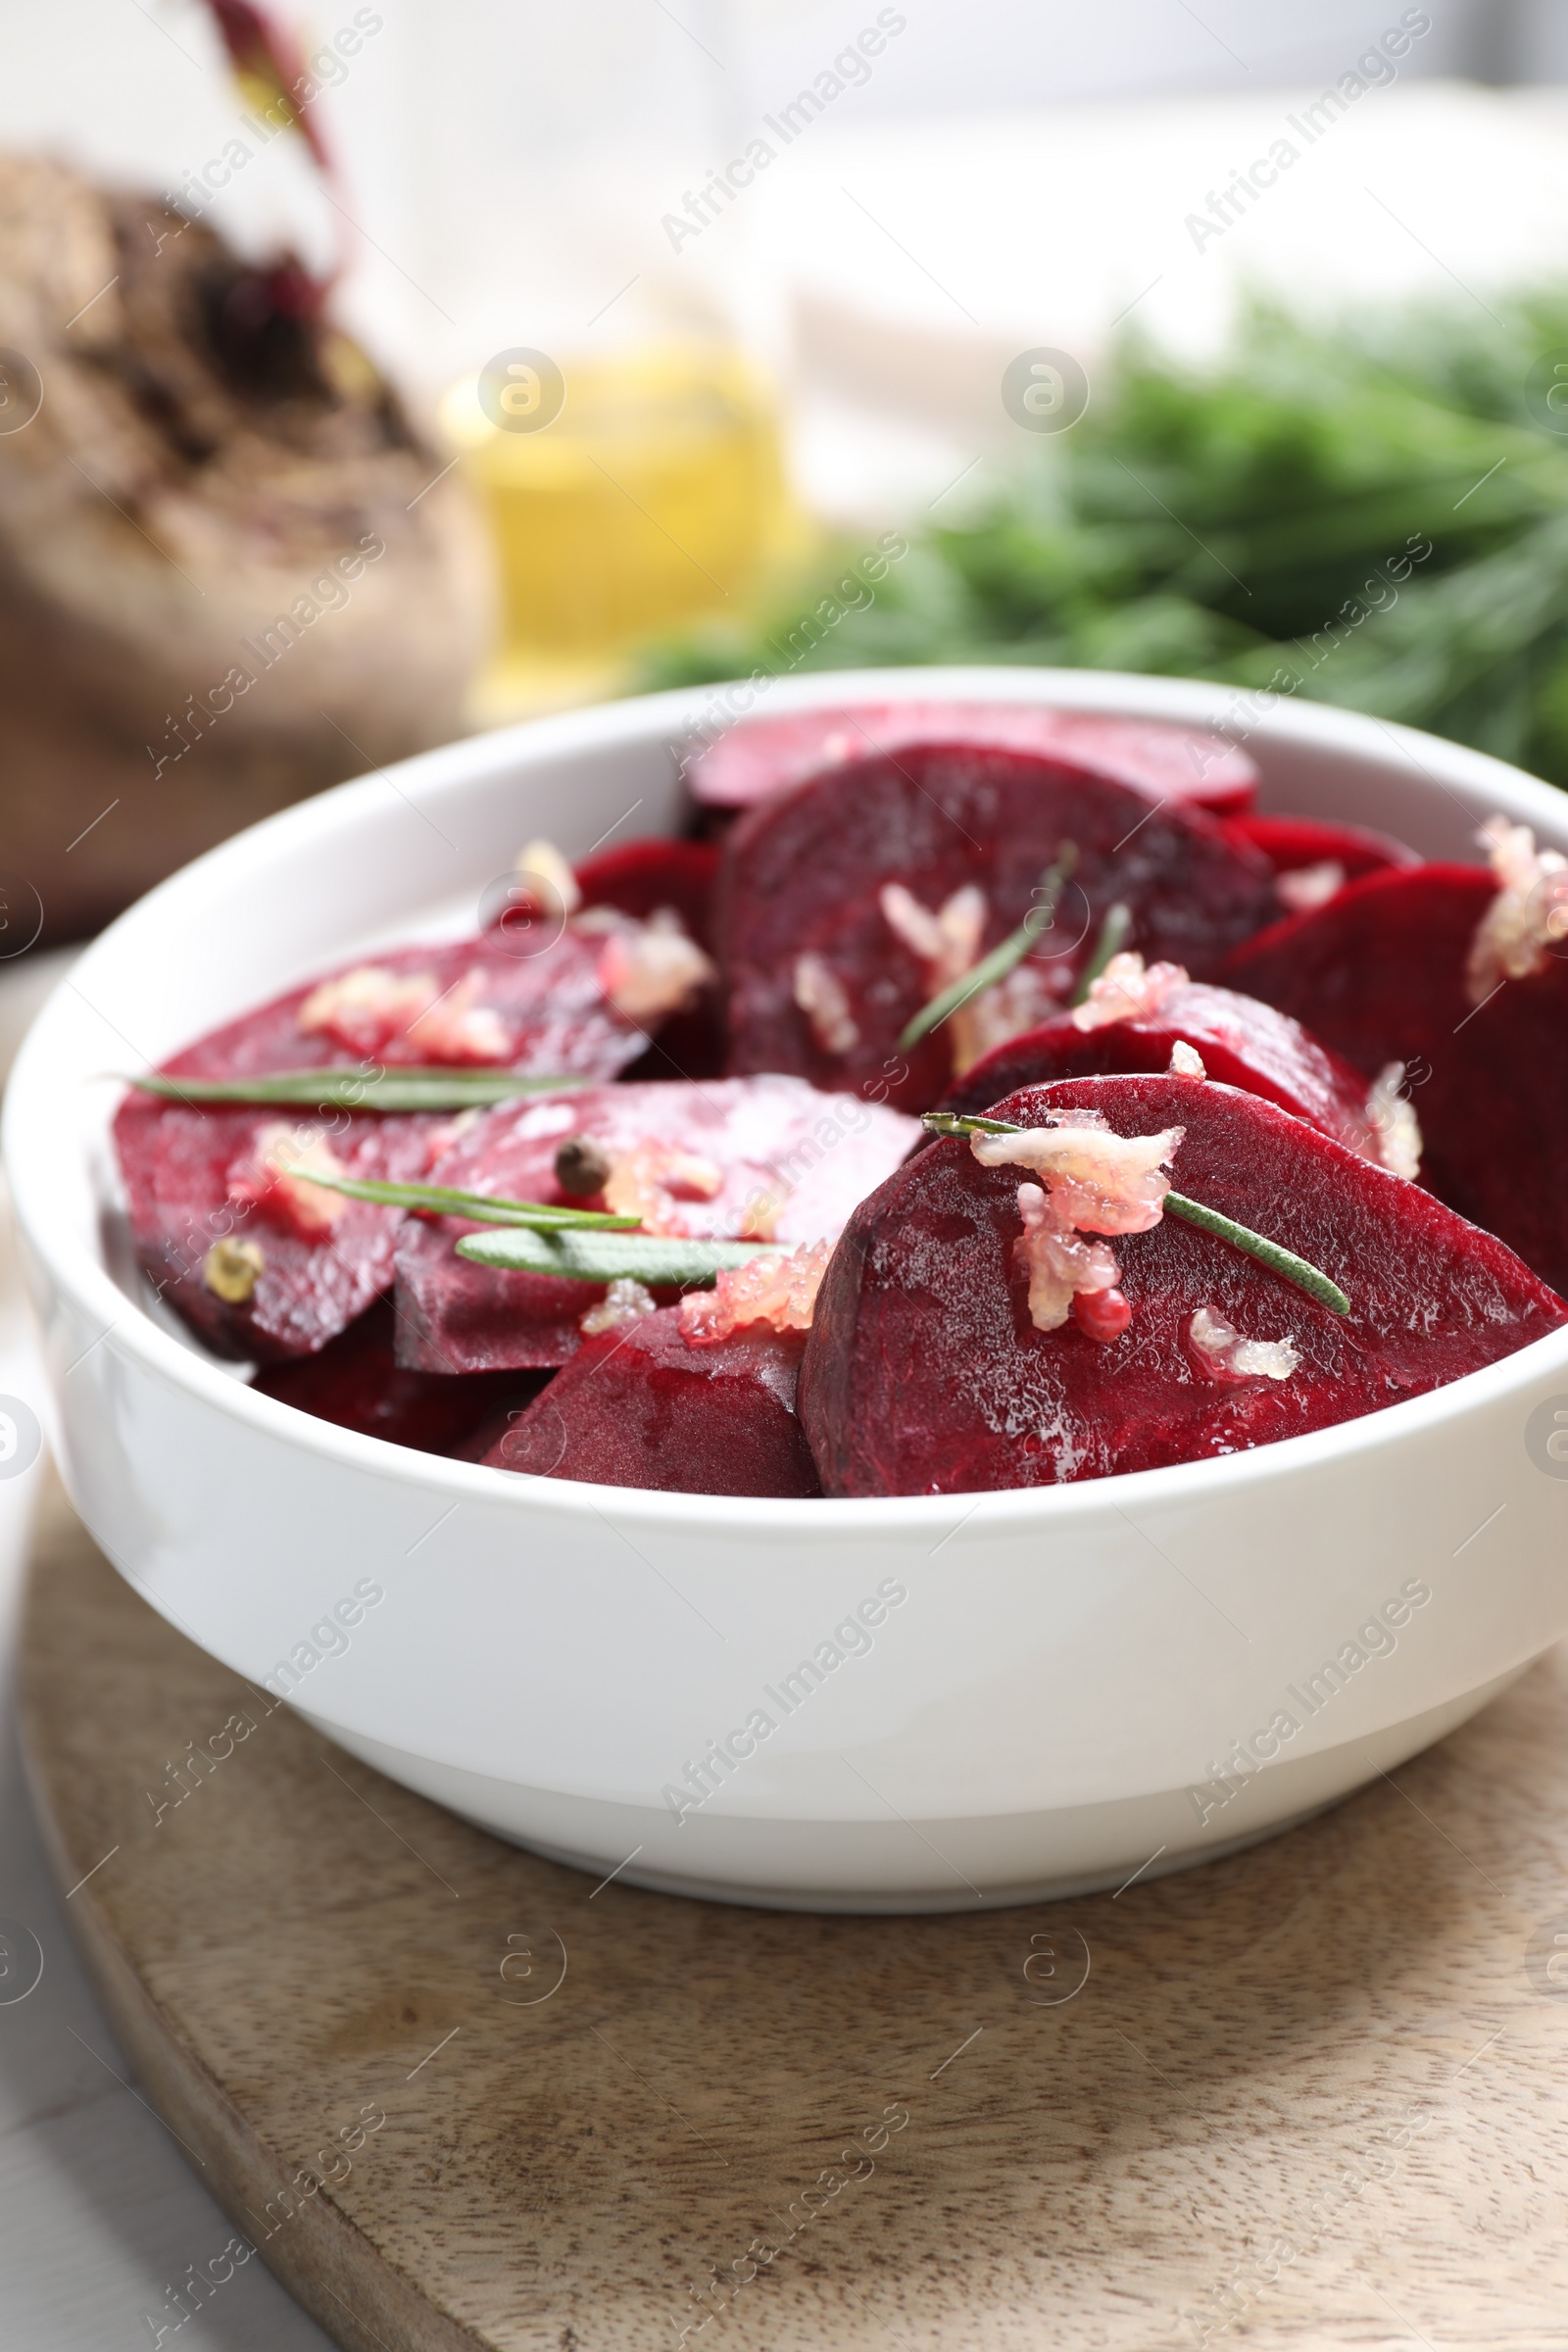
(1114, 933)
(582, 1255)
(337, 1088)
(484, 1208)
(1273, 1255)
(966, 1122)
(1003, 958)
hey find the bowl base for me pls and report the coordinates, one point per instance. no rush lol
(919, 1903)
(891, 1866)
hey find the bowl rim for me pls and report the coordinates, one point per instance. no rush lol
(32, 1140)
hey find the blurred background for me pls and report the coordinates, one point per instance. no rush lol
(631, 332)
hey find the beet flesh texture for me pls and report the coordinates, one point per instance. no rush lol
(356, 1382)
(923, 1374)
(177, 1161)
(454, 1316)
(638, 1407)
(803, 872)
(748, 763)
(1378, 973)
(1242, 1042)
(1290, 843)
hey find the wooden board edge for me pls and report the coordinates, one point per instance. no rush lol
(351, 2288)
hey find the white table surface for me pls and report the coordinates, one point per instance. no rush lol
(99, 2211)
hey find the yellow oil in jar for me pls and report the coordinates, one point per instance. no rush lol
(654, 496)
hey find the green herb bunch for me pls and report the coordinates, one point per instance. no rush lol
(1372, 516)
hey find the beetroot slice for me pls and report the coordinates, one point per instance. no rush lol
(923, 1374)
(1290, 841)
(646, 875)
(1161, 761)
(539, 1012)
(356, 1383)
(1379, 975)
(639, 1407)
(1243, 1044)
(770, 1139)
(1313, 862)
(181, 1166)
(640, 879)
(803, 872)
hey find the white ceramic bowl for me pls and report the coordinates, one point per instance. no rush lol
(1057, 1699)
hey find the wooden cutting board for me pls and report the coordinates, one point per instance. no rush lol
(1311, 2096)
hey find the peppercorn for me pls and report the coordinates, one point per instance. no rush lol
(582, 1169)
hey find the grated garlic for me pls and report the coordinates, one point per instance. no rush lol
(948, 945)
(824, 999)
(554, 885)
(1128, 990)
(1395, 1129)
(1100, 1182)
(1228, 1357)
(1059, 1261)
(455, 1028)
(625, 1302)
(283, 1164)
(366, 1009)
(651, 969)
(1529, 916)
(780, 1292)
(650, 1181)
(1307, 887)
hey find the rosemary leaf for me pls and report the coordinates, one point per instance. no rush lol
(483, 1208)
(1114, 933)
(337, 1089)
(1278, 1260)
(1003, 958)
(956, 1122)
(600, 1257)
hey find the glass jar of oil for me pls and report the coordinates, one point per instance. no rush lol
(652, 496)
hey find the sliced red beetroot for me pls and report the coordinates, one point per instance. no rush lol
(1379, 974)
(763, 756)
(924, 1374)
(259, 1263)
(767, 1156)
(646, 875)
(642, 1407)
(640, 879)
(357, 1383)
(1313, 861)
(1241, 1042)
(462, 1001)
(803, 921)
(198, 1178)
